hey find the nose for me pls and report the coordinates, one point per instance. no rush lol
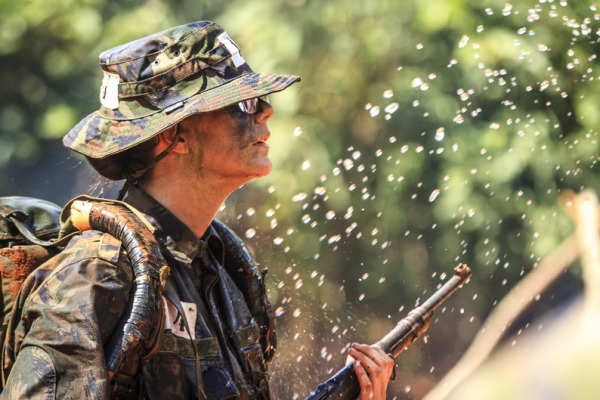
(265, 111)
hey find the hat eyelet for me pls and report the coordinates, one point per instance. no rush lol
(176, 53)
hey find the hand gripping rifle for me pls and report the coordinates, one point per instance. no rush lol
(343, 385)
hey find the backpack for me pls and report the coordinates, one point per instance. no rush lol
(27, 226)
(31, 232)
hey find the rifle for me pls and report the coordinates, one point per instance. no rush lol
(343, 385)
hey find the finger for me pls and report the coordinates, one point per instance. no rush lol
(366, 386)
(374, 359)
(368, 363)
(393, 361)
(375, 352)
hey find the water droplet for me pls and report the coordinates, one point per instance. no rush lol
(334, 239)
(348, 164)
(299, 197)
(391, 108)
(439, 134)
(434, 195)
(417, 82)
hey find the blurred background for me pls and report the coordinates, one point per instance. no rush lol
(423, 134)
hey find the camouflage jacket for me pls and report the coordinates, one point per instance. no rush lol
(79, 296)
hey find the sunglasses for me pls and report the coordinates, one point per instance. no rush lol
(251, 106)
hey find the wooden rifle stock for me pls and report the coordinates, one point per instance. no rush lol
(343, 385)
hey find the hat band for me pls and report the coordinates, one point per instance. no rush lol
(145, 105)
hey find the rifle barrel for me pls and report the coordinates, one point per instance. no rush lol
(417, 321)
(343, 385)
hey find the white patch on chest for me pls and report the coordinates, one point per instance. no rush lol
(174, 321)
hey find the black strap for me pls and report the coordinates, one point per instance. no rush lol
(15, 217)
(133, 175)
(27, 234)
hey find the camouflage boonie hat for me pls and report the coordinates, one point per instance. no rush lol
(153, 83)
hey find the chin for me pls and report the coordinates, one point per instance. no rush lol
(264, 169)
(263, 173)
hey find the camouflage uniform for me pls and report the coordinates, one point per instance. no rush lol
(78, 297)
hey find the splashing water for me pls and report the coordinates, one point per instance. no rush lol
(466, 163)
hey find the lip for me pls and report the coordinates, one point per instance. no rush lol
(262, 141)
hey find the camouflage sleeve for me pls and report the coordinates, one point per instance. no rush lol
(66, 321)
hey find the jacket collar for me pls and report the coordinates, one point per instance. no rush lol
(172, 232)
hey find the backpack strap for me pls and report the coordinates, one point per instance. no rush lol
(244, 270)
(15, 217)
(29, 219)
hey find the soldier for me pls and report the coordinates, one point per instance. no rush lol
(183, 120)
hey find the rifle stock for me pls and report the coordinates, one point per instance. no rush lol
(343, 385)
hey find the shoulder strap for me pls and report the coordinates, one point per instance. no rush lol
(30, 219)
(244, 270)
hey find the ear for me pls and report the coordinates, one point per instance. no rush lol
(167, 137)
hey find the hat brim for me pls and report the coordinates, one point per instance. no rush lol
(98, 137)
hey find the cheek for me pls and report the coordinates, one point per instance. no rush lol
(242, 127)
(246, 135)
(197, 157)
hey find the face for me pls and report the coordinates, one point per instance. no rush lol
(229, 145)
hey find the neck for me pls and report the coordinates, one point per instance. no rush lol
(195, 205)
